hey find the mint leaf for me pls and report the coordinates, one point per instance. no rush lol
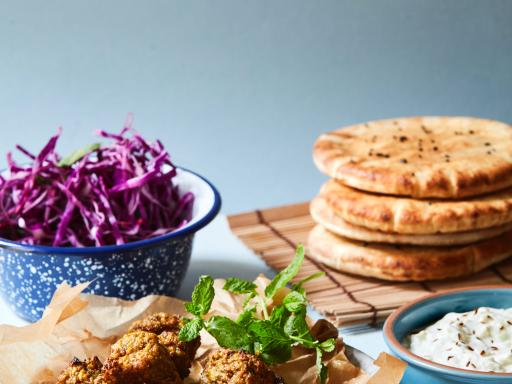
(265, 331)
(239, 286)
(278, 316)
(328, 345)
(276, 352)
(298, 286)
(229, 334)
(297, 327)
(202, 297)
(77, 155)
(272, 344)
(191, 330)
(246, 317)
(295, 302)
(191, 308)
(287, 274)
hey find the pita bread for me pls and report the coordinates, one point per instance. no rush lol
(409, 216)
(405, 263)
(324, 215)
(445, 157)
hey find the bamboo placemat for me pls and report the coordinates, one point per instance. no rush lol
(342, 298)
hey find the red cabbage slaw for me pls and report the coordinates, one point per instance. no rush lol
(99, 195)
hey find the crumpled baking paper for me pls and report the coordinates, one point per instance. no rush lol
(81, 325)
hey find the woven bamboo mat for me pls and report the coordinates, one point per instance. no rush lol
(343, 299)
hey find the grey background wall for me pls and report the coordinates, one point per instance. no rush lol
(238, 90)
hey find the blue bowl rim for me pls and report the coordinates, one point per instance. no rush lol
(395, 346)
(187, 230)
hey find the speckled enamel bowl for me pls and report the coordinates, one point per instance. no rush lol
(427, 310)
(29, 274)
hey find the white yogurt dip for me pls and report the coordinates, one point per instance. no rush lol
(480, 340)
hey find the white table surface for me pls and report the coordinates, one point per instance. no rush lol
(217, 252)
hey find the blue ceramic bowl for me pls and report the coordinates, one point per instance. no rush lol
(30, 274)
(429, 309)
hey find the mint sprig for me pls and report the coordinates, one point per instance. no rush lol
(271, 343)
(287, 274)
(229, 334)
(298, 286)
(202, 298)
(239, 286)
(191, 329)
(246, 317)
(295, 302)
(270, 338)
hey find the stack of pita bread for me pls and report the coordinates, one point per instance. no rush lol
(418, 198)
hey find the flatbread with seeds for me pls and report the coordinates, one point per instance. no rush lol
(323, 214)
(404, 215)
(444, 157)
(405, 263)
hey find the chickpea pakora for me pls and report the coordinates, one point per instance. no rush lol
(139, 358)
(237, 367)
(81, 372)
(168, 327)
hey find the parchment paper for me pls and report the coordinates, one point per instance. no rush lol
(80, 325)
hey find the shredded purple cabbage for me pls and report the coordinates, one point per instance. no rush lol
(101, 195)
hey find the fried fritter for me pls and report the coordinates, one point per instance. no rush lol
(139, 358)
(237, 367)
(168, 327)
(81, 372)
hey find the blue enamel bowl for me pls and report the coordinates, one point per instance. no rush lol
(30, 274)
(427, 310)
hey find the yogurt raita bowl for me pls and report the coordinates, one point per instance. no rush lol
(425, 311)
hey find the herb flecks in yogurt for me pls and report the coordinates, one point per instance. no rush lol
(479, 340)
